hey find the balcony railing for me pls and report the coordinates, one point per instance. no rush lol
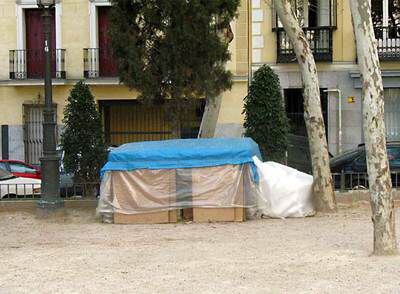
(99, 63)
(388, 39)
(320, 39)
(29, 64)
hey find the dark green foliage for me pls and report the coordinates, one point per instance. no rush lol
(82, 139)
(172, 48)
(265, 117)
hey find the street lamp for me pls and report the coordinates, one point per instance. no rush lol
(50, 161)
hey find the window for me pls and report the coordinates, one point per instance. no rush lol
(98, 59)
(34, 42)
(385, 13)
(361, 160)
(393, 155)
(318, 19)
(4, 175)
(25, 60)
(21, 168)
(377, 12)
(313, 13)
(294, 105)
(392, 114)
(3, 165)
(386, 21)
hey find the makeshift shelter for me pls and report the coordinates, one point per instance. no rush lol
(151, 181)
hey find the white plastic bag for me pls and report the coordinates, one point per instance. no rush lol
(284, 191)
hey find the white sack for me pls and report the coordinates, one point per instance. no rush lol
(284, 191)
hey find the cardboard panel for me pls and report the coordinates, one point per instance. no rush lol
(202, 215)
(230, 175)
(161, 217)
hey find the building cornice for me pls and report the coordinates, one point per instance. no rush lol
(391, 78)
(70, 82)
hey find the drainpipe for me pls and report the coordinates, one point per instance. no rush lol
(339, 92)
(249, 44)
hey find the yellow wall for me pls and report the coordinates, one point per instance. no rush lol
(8, 35)
(13, 98)
(344, 46)
(232, 101)
(74, 38)
(268, 53)
(232, 104)
(241, 39)
(75, 35)
(344, 49)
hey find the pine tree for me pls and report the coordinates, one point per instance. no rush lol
(173, 48)
(82, 139)
(265, 117)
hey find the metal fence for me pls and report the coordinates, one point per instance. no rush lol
(319, 38)
(359, 181)
(388, 39)
(29, 191)
(27, 64)
(99, 62)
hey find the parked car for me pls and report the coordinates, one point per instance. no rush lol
(12, 186)
(67, 187)
(21, 169)
(353, 165)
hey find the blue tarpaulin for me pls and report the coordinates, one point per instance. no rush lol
(182, 153)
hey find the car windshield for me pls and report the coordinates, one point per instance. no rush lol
(345, 155)
(4, 175)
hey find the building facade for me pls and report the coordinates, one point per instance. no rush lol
(81, 51)
(328, 27)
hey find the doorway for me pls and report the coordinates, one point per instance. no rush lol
(298, 151)
(107, 64)
(34, 35)
(132, 121)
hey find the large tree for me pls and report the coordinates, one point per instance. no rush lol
(323, 186)
(380, 184)
(172, 50)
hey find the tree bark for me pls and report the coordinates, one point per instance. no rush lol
(324, 195)
(210, 117)
(380, 184)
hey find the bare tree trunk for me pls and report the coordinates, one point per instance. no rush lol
(324, 195)
(380, 184)
(210, 117)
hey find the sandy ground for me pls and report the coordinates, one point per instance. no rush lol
(76, 254)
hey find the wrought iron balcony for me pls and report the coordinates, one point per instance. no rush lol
(320, 39)
(29, 64)
(99, 63)
(388, 39)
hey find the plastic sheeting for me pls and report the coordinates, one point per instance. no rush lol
(182, 153)
(152, 190)
(284, 191)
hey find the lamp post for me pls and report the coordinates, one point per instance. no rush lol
(50, 161)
